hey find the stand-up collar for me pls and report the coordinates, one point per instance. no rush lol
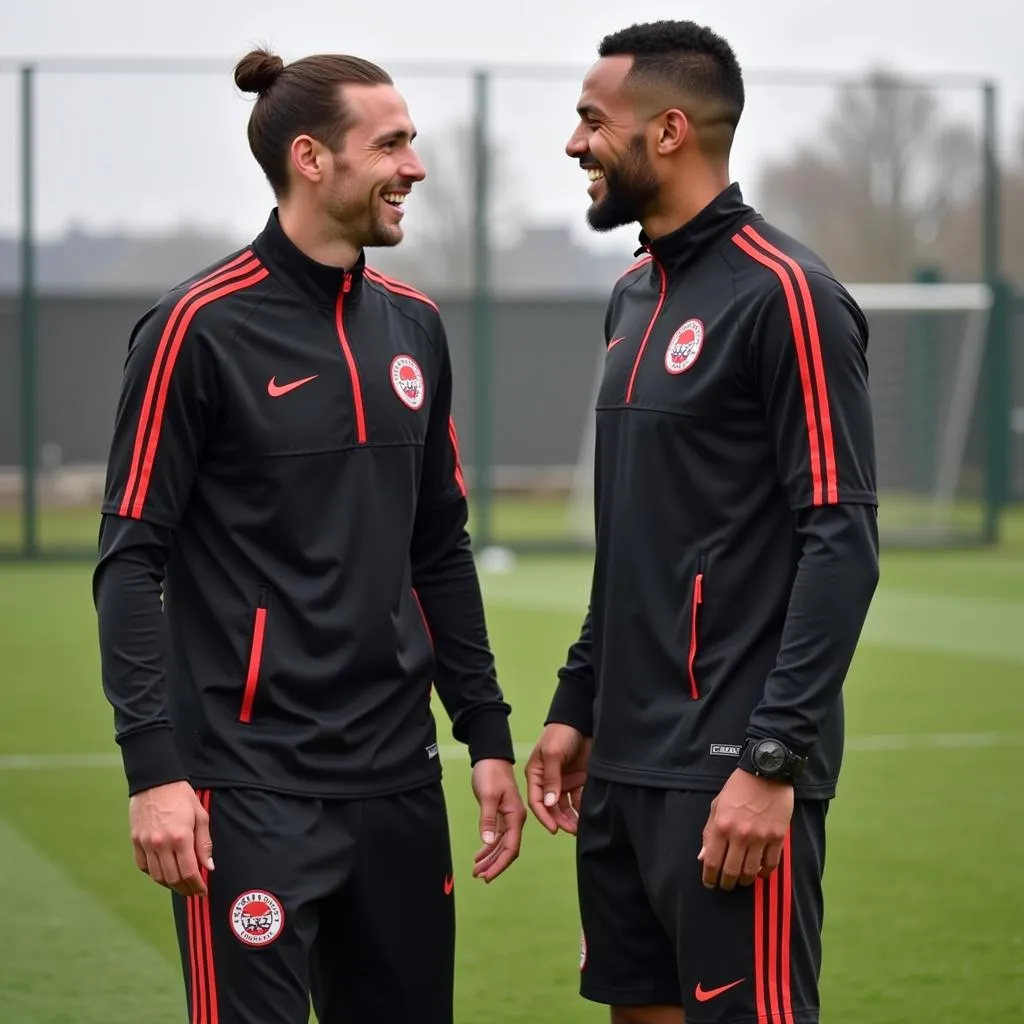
(724, 214)
(318, 281)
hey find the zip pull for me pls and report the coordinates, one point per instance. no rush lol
(347, 286)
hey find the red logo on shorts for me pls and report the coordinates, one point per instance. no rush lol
(257, 918)
(704, 995)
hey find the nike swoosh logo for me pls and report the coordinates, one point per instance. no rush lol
(276, 390)
(615, 341)
(449, 884)
(704, 995)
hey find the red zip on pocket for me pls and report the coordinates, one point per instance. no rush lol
(252, 675)
(695, 603)
(423, 617)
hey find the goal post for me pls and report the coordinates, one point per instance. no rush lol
(926, 359)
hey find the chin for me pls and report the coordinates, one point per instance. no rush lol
(604, 216)
(385, 237)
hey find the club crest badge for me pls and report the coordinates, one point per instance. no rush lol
(684, 347)
(407, 380)
(256, 918)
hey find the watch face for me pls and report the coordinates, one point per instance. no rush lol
(769, 756)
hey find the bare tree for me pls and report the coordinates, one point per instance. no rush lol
(884, 181)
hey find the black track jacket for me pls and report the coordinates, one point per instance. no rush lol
(735, 510)
(284, 474)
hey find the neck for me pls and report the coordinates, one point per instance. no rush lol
(316, 236)
(689, 191)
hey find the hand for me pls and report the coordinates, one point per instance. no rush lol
(502, 816)
(555, 773)
(171, 837)
(745, 831)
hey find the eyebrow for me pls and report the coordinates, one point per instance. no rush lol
(398, 135)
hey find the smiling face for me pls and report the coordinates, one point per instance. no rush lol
(611, 144)
(367, 181)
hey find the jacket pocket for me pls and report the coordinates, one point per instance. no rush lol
(252, 675)
(696, 600)
(423, 618)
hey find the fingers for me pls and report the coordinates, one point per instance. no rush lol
(203, 842)
(538, 781)
(771, 859)
(171, 860)
(140, 857)
(751, 865)
(494, 857)
(488, 818)
(712, 856)
(565, 815)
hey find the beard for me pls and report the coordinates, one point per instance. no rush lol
(630, 189)
(364, 221)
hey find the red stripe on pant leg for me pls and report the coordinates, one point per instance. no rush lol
(207, 930)
(165, 382)
(759, 965)
(787, 912)
(191, 934)
(216, 277)
(773, 946)
(816, 360)
(199, 1014)
(801, 356)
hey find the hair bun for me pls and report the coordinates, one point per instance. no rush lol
(257, 71)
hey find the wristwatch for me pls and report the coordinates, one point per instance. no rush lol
(772, 759)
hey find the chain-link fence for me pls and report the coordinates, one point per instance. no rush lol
(123, 178)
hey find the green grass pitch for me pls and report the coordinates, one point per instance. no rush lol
(925, 919)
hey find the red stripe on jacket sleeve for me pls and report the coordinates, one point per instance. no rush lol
(799, 341)
(160, 377)
(814, 337)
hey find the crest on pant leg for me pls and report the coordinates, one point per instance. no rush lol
(257, 918)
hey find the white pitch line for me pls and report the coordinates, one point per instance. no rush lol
(881, 742)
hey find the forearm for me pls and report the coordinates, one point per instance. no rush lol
(833, 588)
(573, 701)
(127, 597)
(448, 589)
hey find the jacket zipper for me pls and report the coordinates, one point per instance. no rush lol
(252, 675)
(696, 600)
(353, 370)
(650, 327)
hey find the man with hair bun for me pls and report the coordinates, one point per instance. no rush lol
(284, 578)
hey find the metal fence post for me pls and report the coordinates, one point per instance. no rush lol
(997, 377)
(27, 313)
(482, 318)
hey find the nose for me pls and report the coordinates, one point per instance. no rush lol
(413, 168)
(577, 145)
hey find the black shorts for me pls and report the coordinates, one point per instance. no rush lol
(653, 935)
(347, 902)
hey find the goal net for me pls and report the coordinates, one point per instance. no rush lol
(925, 354)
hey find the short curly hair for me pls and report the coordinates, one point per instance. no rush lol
(682, 58)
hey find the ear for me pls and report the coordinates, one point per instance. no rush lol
(308, 158)
(673, 127)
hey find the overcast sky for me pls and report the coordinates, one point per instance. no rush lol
(152, 150)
